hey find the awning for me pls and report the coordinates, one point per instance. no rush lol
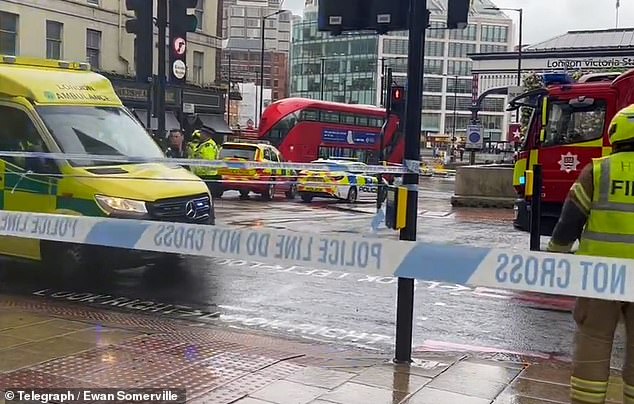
(170, 119)
(216, 122)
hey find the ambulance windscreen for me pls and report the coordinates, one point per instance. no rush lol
(100, 131)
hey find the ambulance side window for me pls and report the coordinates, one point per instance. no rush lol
(19, 134)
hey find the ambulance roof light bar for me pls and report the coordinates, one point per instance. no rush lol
(10, 59)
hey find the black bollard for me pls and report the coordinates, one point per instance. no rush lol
(536, 209)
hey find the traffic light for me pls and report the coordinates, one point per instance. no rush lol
(180, 23)
(458, 13)
(397, 102)
(337, 16)
(142, 26)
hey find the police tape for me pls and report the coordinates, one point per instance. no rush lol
(218, 164)
(559, 274)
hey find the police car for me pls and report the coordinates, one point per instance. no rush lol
(349, 184)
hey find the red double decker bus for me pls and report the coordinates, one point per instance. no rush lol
(304, 130)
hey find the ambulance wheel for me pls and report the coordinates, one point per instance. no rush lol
(292, 192)
(169, 264)
(307, 198)
(69, 261)
(269, 192)
(352, 195)
(244, 194)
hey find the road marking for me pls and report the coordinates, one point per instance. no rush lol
(304, 330)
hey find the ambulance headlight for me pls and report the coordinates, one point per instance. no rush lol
(113, 204)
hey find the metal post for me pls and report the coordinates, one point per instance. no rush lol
(261, 71)
(519, 51)
(150, 101)
(229, 91)
(536, 209)
(419, 17)
(518, 116)
(455, 117)
(383, 82)
(321, 79)
(162, 81)
(381, 190)
(256, 120)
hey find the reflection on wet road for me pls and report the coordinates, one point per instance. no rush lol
(349, 308)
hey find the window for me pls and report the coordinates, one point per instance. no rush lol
(253, 23)
(199, 12)
(433, 66)
(281, 129)
(309, 115)
(486, 48)
(54, 39)
(493, 104)
(236, 32)
(573, 124)
(463, 86)
(494, 33)
(331, 117)
(436, 30)
(8, 33)
(97, 131)
(395, 46)
(93, 47)
(468, 33)
(237, 11)
(433, 102)
(458, 68)
(434, 48)
(460, 50)
(253, 12)
(432, 84)
(430, 122)
(199, 62)
(95, 2)
(347, 119)
(462, 104)
(19, 134)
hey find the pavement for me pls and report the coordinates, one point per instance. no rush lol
(57, 345)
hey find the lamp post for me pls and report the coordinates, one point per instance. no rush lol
(519, 47)
(262, 61)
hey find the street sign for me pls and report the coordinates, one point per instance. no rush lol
(179, 69)
(189, 108)
(180, 46)
(514, 132)
(474, 137)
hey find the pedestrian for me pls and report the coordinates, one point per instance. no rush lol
(176, 145)
(600, 213)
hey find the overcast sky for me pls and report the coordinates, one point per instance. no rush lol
(545, 19)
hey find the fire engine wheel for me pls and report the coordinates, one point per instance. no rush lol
(244, 194)
(352, 195)
(292, 192)
(269, 192)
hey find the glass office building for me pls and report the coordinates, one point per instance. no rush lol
(349, 68)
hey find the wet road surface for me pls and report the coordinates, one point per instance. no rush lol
(347, 308)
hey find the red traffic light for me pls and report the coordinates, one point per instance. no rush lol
(398, 93)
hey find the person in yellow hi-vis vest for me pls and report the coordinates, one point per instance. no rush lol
(599, 211)
(203, 147)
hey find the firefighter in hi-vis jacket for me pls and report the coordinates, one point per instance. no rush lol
(599, 211)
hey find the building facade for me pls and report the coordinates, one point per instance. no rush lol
(242, 19)
(350, 68)
(248, 27)
(94, 31)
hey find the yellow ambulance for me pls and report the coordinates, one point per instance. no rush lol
(63, 107)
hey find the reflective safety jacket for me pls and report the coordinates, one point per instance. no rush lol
(609, 230)
(208, 150)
